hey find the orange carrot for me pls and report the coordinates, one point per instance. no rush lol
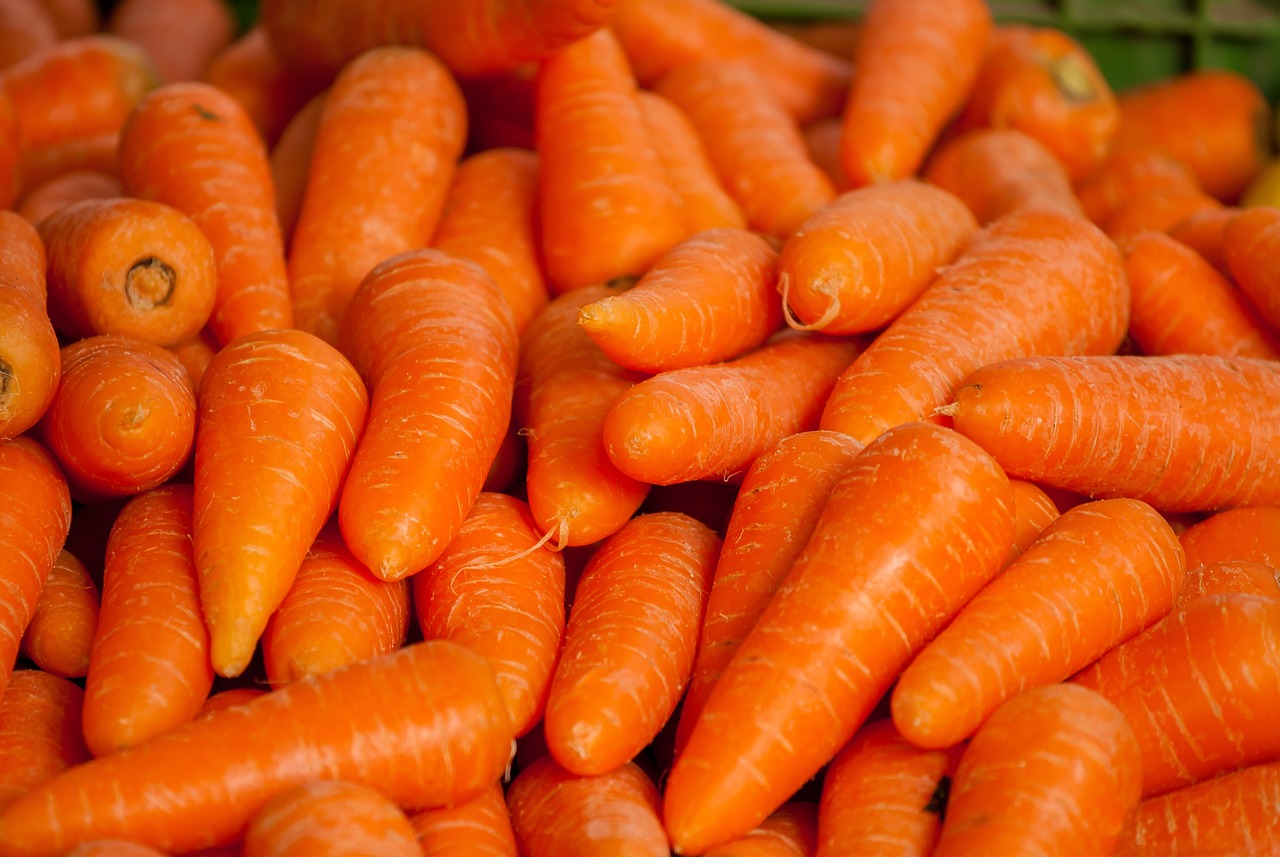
(39, 731)
(607, 208)
(557, 814)
(61, 631)
(857, 263)
(280, 415)
(94, 154)
(73, 17)
(1054, 771)
(336, 613)
(792, 831)
(1206, 438)
(623, 670)
(249, 71)
(822, 139)
(1250, 535)
(10, 153)
(776, 511)
(113, 848)
(195, 354)
(390, 132)
(442, 368)
(1205, 231)
(1157, 210)
(29, 361)
(1098, 575)
(1036, 282)
(713, 421)
(181, 38)
(490, 217)
(291, 163)
(480, 827)
(35, 514)
(1224, 578)
(228, 699)
(56, 194)
(189, 789)
(499, 592)
(189, 146)
(859, 601)
(1249, 242)
(26, 28)
(1033, 511)
(329, 819)
(755, 147)
(1129, 172)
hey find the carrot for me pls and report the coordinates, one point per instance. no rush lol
(792, 831)
(1224, 578)
(498, 591)
(1215, 121)
(73, 187)
(1033, 511)
(1036, 282)
(661, 35)
(113, 848)
(1249, 535)
(191, 147)
(1205, 231)
(1249, 242)
(490, 217)
(822, 139)
(89, 154)
(1054, 770)
(689, 170)
(859, 601)
(1182, 305)
(249, 71)
(557, 814)
(336, 613)
(883, 796)
(857, 263)
(35, 515)
(61, 630)
(10, 153)
(568, 387)
(39, 731)
(1206, 439)
(328, 819)
(29, 362)
(755, 147)
(998, 172)
(200, 784)
(195, 354)
(1235, 813)
(26, 28)
(228, 699)
(1131, 171)
(390, 132)
(280, 415)
(776, 511)
(607, 208)
(181, 38)
(291, 163)
(73, 17)
(1158, 210)
(713, 421)
(1192, 685)
(710, 299)
(480, 827)
(1098, 575)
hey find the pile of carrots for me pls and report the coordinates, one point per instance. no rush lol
(603, 427)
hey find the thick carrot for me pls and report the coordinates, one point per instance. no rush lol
(39, 731)
(1224, 578)
(280, 415)
(191, 147)
(329, 818)
(755, 147)
(228, 699)
(480, 827)
(607, 207)
(857, 263)
(291, 163)
(180, 36)
(10, 153)
(997, 172)
(1036, 282)
(56, 194)
(775, 513)
(35, 515)
(336, 613)
(60, 634)
(30, 366)
(425, 726)
(859, 601)
(1098, 575)
(195, 354)
(1205, 232)
(1054, 771)
(490, 217)
(249, 71)
(882, 796)
(113, 848)
(822, 139)
(1033, 511)
(1158, 210)
(1249, 242)
(1250, 535)
(390, 132)
(792, 831)
(1192, 686)
(567, 387)
(26, 28)
(1206, 437)
(73, 17)
(1129, 172)
(436, 342)
(557, 814)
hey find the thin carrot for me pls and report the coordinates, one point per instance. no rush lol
(1054, 771)
(26, 28)
(1205, 232)
(442, 369)
(1192, 685)
(1130, 171)
(856, 264)
(191, 147)
(113, 848)
(1224, 578)
(443, 743)
(755, 147)
(280, 415)
(1036, 282)
(859, 601)
(30, 367)
(1249, 535)
(390, 132)
(792, 831)
(291, 163)
(1157, 210)
(480, 827)
(822, 139)
(39, 731)
(1207, 438)
(713, 421)
(1033, 511)
(228, 699)
(329, 818)
(181, 36)
(10, 153)
(249, 71)
(60, 634)
(195, 354)
(73, 17)
(56, 194)
(1248, 243)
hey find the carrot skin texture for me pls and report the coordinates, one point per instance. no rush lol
(1033, 511)
(291, 163)
(39, 731)
(42, 201)
(280, 415)
(1251, 535)
(228, 699)
(853, 609)
(329, 819)
(113, 848)
(195, 354)
(30, 366)
(481, 827)
(26, 28)
(792, 831)
(10, 154)
(181, 38)
(1225, 578)
(176, 792)
(60, 634)
(1249, 241)
(1130, 171)
(250, 72)
(1205, 232)
(822, 139)
(1157, 210)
